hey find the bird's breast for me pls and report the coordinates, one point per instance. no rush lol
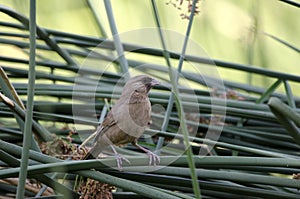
(133, 118)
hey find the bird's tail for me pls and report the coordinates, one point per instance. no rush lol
(95, 151)
(88, 156)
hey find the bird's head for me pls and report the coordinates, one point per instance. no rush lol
(139, 84)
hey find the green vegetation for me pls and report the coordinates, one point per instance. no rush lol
(225, 127)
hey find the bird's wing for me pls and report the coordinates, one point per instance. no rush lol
(102, 128)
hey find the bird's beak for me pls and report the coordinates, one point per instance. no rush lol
(154, 82)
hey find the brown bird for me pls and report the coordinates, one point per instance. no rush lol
(127, 120)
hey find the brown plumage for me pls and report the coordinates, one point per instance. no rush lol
(127, 120)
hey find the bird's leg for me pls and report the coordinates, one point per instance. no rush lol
(119, 158)
(153, 158)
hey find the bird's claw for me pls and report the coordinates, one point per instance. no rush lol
(153, 158)
(119, 159)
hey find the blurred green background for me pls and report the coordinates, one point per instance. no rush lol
(229, 30)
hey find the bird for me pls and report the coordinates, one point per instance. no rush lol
(126, 121)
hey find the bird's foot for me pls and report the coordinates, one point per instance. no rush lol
(120, 159)
(153, 158)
